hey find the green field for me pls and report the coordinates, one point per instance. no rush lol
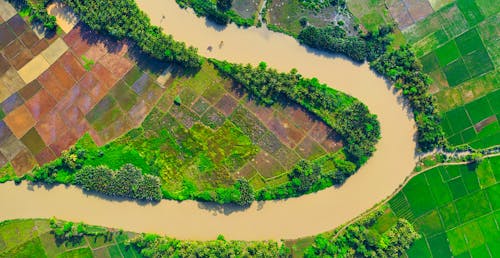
(33, 238)
(457, 213)
(457, 44)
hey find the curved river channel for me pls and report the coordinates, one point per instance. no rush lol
(287, 219)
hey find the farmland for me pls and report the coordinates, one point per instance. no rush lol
(454, 209)
(462, 60)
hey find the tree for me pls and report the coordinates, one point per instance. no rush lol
(246, 192)
(224, 5)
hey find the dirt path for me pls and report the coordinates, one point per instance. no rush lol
(292, 218)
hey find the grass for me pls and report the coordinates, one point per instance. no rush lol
(87, 63)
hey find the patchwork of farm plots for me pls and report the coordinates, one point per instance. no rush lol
(459, 48)
(206, 132)
(458, 43)
(32, 238)
(455, 208)
(56, 88)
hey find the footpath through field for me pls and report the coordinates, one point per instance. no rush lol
(311, 214)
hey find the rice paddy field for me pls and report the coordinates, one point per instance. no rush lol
(457, 43)
(455, 208)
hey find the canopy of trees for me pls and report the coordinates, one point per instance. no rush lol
(359, 240)
(402, 67)
(335, 40)
(151, 245)
(126, 182)
(359, 129)
(123, 19)
(37, 12)
(217, 11)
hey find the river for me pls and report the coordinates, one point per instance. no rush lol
(292, 218)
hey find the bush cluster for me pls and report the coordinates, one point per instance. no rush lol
(123, 19)
(219, 12)
(334, 39)
(320, 4)
(128, 182)
(151, 245)
(349, 117)
(402, 67)
(359, 240)
(37, 12)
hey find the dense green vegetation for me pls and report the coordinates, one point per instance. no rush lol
(156, 246)
(37, 12)
(363, 239)
(334, 39)
(320, 4)
(125, 182)
(346, 115)
(123, 19)
(218, 11)
(402, 67)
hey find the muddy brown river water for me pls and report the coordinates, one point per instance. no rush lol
(292, 218)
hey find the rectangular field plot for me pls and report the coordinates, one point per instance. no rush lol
(458, 119)
(478, 110)
(472, 206)
(469, 41)
(429, 224)
(419, 196)
(453, 21)
(478, 62)
(419, 249)
(447, 53)
(471, 11)
(438, 188)
(456, 72)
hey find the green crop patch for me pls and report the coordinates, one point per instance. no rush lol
(458, 119)
(429, 62)
(447, 53)
(452, 20)
(493, 193)
(429, 224)
(439, 246)
(494, 99)
(438, 188)
(468, 135)
(457, 188)
(419, 196)
(470, 179)
(478, 109)
(485, 174)
(469, 42)
(419, 249)
(472, 206)
(473, 234)
(449, 216)
(471, 11)
(456, 72)
(488, 7)
(478, 62)
(456, 238)
(431, 42)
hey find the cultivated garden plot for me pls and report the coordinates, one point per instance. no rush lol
(206, 132)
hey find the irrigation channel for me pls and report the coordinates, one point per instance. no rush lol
(292, 218)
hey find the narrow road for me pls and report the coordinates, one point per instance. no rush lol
(310, 214)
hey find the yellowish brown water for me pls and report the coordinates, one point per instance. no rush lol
(292, 218)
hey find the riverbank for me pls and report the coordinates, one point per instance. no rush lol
(327, 209)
